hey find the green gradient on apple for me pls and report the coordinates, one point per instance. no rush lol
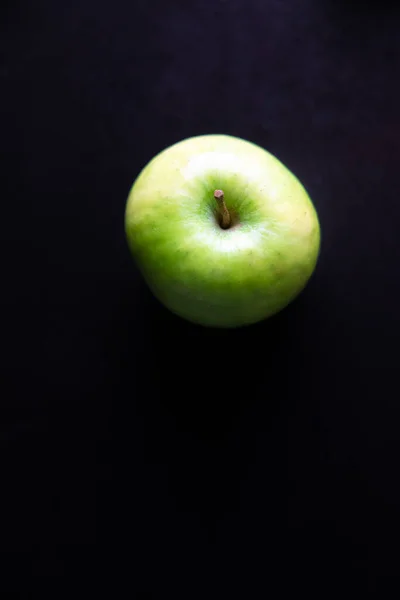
(224, 234)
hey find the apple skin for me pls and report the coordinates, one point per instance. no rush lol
(209, 275)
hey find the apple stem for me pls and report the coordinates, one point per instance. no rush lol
(225, 216)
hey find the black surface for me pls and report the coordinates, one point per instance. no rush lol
(286, 474)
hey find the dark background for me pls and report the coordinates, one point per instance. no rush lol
(287, 472)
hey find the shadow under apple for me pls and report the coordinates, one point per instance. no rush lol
(206, 380)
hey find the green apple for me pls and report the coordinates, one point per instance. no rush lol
(224, 234)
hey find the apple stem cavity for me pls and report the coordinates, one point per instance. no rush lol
(225, 220)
